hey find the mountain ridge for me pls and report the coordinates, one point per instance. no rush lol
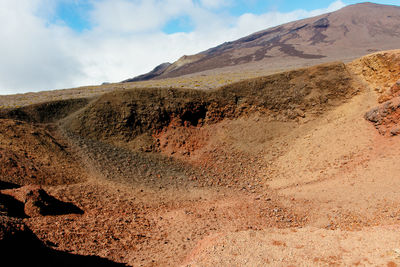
(351, 32)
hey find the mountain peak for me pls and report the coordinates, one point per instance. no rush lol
(348, 33)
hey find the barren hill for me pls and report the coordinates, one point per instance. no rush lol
(295, 168)
(344, 35)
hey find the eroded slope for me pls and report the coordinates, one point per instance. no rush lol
(282, 169)
(31, 154)
(126, 115)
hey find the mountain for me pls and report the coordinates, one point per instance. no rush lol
(160, 69)
(346, 34)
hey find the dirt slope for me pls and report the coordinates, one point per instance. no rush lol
(45, 112)
(125, 115)
(344, 174)
(280, 170)
(31, 154)
(185, 124)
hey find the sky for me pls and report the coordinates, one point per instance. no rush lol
(56, 44)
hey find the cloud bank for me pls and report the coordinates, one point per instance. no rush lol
(125, 39)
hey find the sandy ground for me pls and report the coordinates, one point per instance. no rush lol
(376, 246)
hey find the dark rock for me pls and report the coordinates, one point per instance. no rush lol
(36, 202)
(395, 131)
(373, 115)
(321, 23)
(39, 203)
(386, 117)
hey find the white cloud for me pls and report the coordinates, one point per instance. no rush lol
(125, 40)
(332, 7)
(136, 16)
(215, 3)
(249, 23)
(34, 56)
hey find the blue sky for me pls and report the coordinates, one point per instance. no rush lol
(56, 44)
(75, 13)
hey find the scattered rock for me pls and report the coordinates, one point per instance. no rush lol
(33, 154)
(38, 203)
(19, 246)
(386, 117)
(395, 131)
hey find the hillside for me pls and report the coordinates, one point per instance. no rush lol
(343, 35)
(297, 167)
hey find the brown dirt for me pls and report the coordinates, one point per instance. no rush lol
(31, 154)
(37, 202)
(45, 112)
(297, 178)
(386, 117)
(381, 71)
(152, 228)
(343, 174)
(126, 115)
(20, 247)
(300, 247)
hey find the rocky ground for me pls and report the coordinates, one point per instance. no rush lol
(318, 189)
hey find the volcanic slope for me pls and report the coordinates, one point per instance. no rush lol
(33, 155)
(344, 35)
(277, 170)
(180, 123)
(344, 172)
